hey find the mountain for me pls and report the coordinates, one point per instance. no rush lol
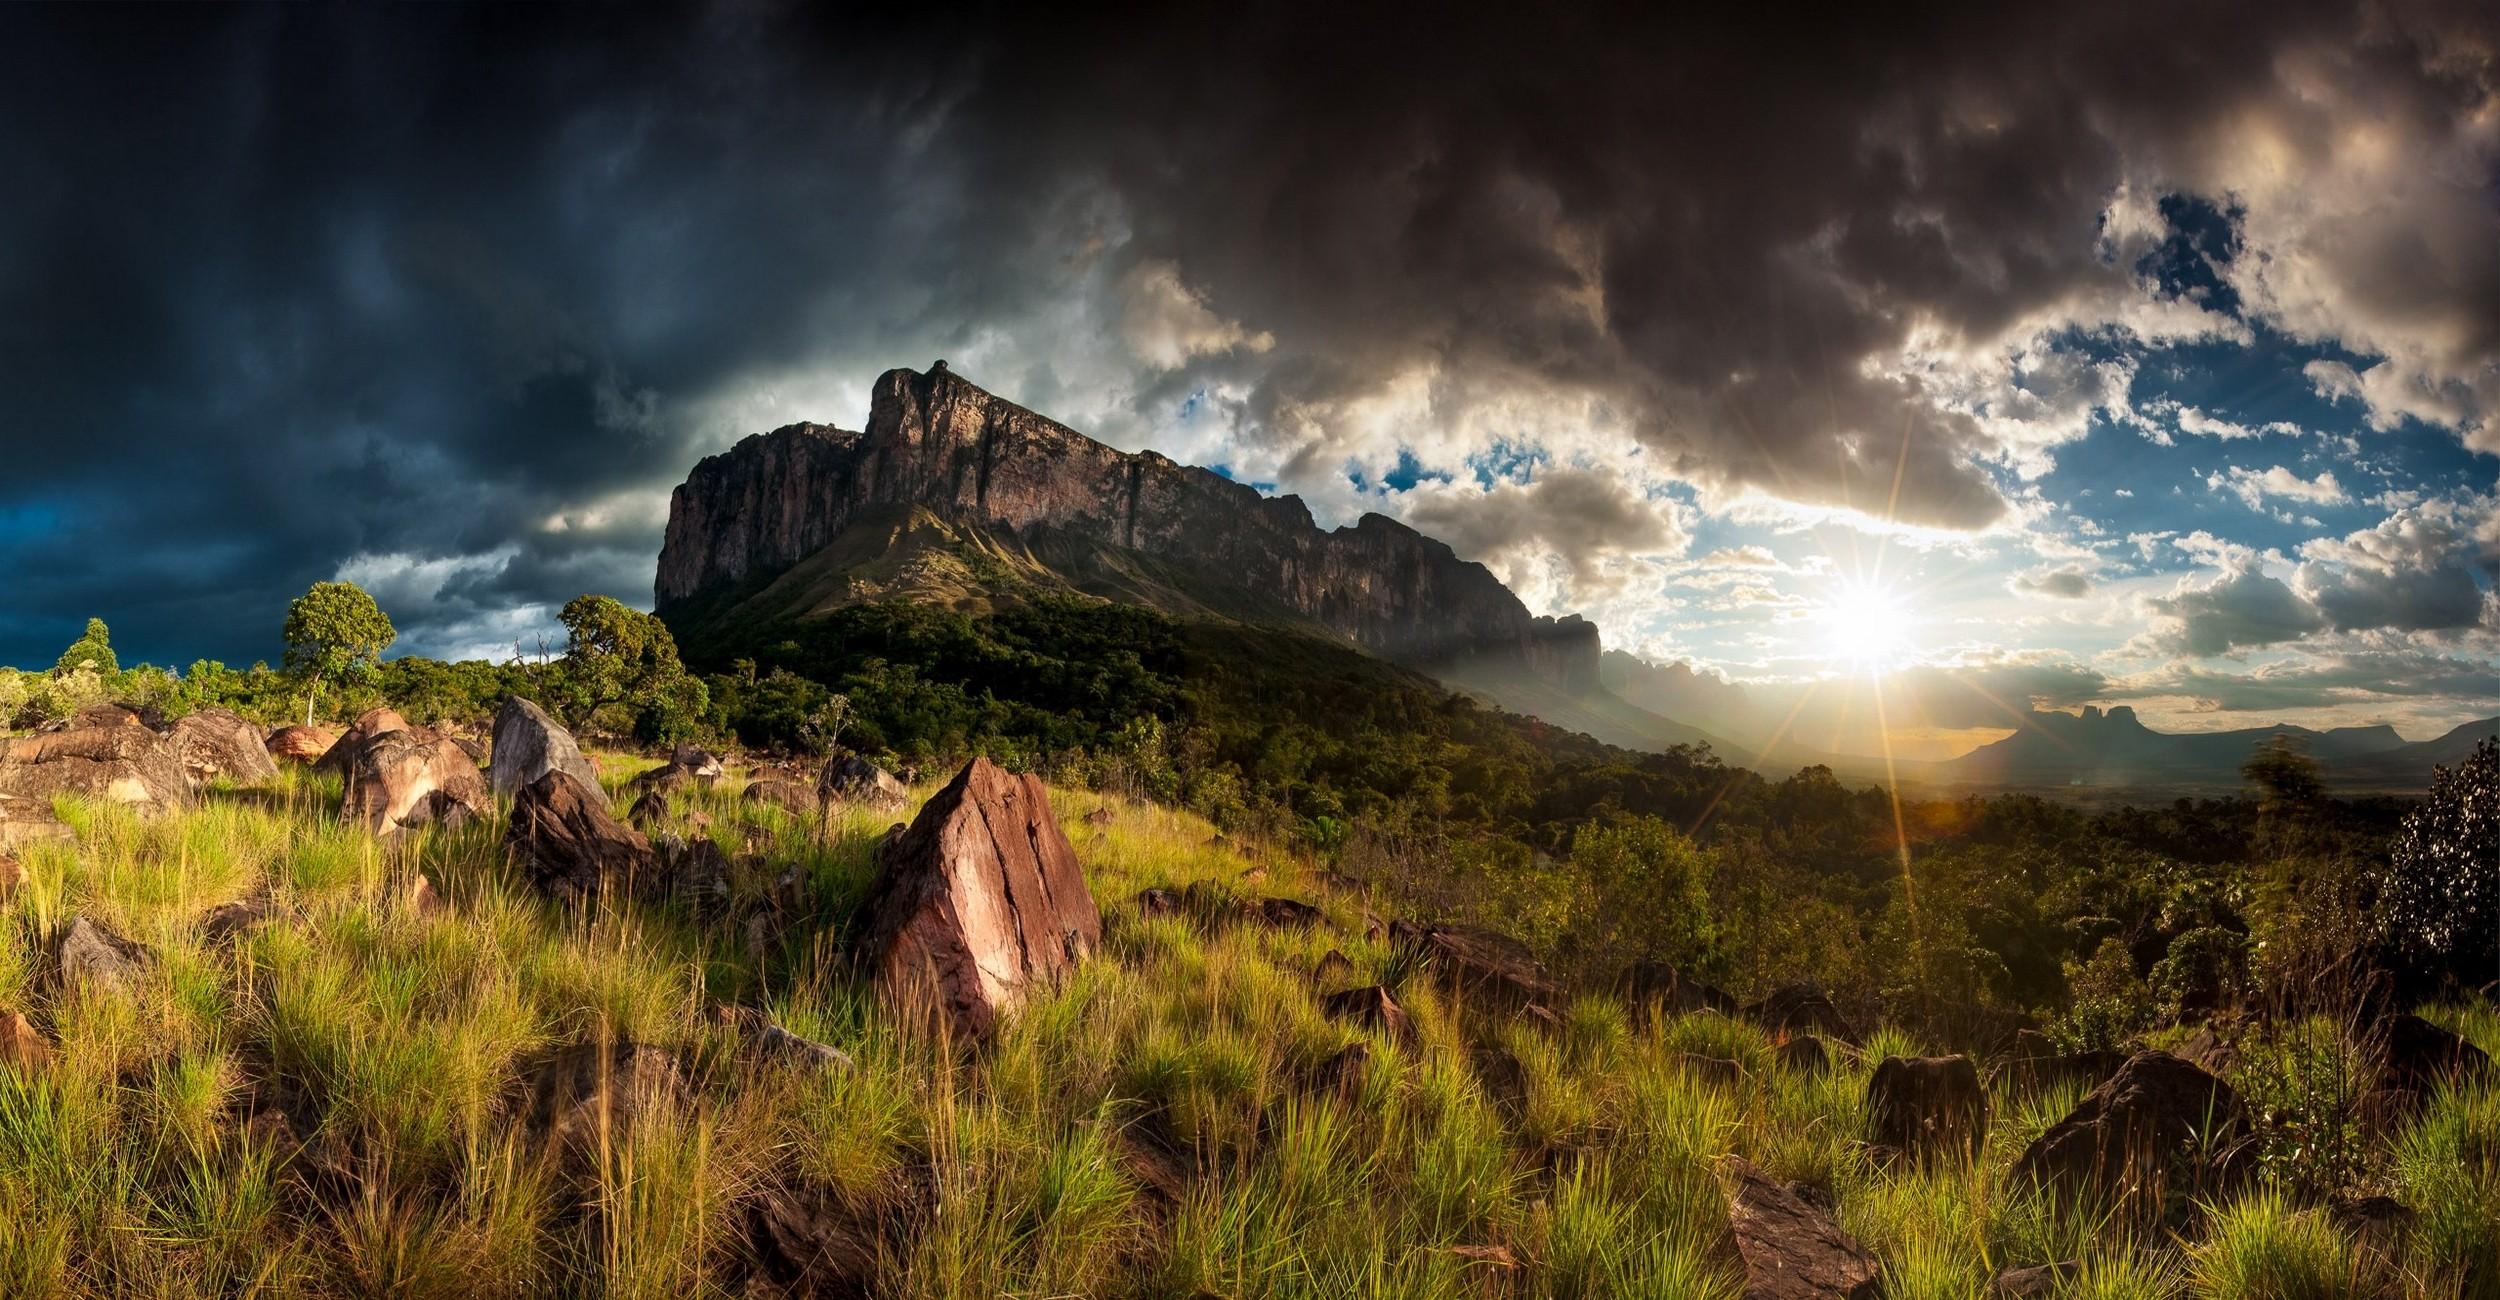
(2113, 748)
(951, 494)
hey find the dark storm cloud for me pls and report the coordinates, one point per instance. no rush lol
(453, 295)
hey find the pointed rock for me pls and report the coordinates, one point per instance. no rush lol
(1341, 1075)
(789, 796)
(563, 835)
(528, 745)
(2160, 1128)
(1482, 965)
(1805, 1054)
(22, 1047)
(369, 724)
(1373, 1008)
(850, 779)
(980, 902)
(1791, 1247)
(1334, 968)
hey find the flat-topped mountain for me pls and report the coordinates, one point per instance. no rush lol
(951, 492)
(2113, 748)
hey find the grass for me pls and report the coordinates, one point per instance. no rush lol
(329, 1104)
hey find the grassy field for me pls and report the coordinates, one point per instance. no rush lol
(1149, 1129)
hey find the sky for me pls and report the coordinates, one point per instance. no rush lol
(2016, 357)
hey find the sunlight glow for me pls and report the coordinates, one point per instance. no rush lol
(1866, 628)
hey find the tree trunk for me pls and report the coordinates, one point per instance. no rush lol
(310, 696)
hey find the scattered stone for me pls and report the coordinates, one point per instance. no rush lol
(1717, 1070)
(118, 763)
(1158, 902)
(1371, 1007)
(422, 899)
(1341, 1075)
(228, 922)
(1334, 968)
(760, 1037)
(11, 877)
(1927, 1106)
(980, 901)
(90, 955)
(1801, 1009)
(1655, 985)
(1480, 964)
(574, 848)
(789, 795)
(1791, 1247)
(22, 1047)
(1504, 1079)
(1100, 816)
(650, 808)
(528, 745)
(1805, 1054)
(2039, 1282)
(850, 779)
(694, 872)
(582, 1091)
(301, 745)
(805, 1243)
(1289, 914)
(2420, 1056)
(213, 743)
(2159, 1126)
(410, 776)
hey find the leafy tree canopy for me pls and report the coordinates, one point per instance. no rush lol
(92, 651)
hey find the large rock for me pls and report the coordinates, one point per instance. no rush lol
(1801, 1009)
(789, 796)
(1647, 985)
(688, 767)
(213, 743)
(2419, 1056)
(299, 744)
(529, 745)
(88, 954)
(2160, 1133)
(978, 903)
(1927, 1106)
(369, 724)
(1791, 1247)
(850, 779)
(121, 763)
(563, 835)
(583, 1097)
(1484, 966)
(411, 776)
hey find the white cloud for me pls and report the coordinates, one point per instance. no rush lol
(2254, 486)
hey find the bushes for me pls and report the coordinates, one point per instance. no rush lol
(2108, 1002)
(2440, 890)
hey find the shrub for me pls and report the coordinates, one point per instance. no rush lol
(2440, 891)
(2108, 1004)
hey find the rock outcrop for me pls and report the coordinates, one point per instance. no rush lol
(1791, 1247)
(299, 744)
(2160, 1131)
(118, 762)
(978, 903)
(213, 743)
(529, 745)
(563, 835)
(850, 779)
(935, 442)
(1485, 967)
(407, 776)
(1926, 1107)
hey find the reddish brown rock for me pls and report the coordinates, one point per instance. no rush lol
(1371, 1007)
(410, 776)
(1484, 966)
(1927, 1106)
(1341, 1075)
(214, 743)
(1289, 914)
(804, 1242)
(1801, 1009)
(979, 903)
(528, 744)
(1655, 985)
(2160, 1132)
(582, 1096)
(124, 764)
(368, 725)
(12, 876)
(87, 954)
(1334, 968)
(113, 715)
(1791, 1247)
(21, 1046)
(850, 779)
(790, 796)
(564, 837)
(299, 744)
(1806, 1054)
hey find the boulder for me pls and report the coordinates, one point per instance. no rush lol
(1158, 901)
(2419, 1056)
(1655, 985)
(789, 795)
(228, 922)
(528, 745)
(22, 1047)
(1341, 1075)
(124, 764)
(88, 954)
(1927, 1106)
(804, 1242)
(650, 808)
(761, 1039)
(2038, 1282)
(1100, 816)
(410, 776)
(1805, 1054)
(1371, 1007)
(300, 745)
(1791, 1247)
(563, 835)
(341, 756)
(2160, 1130)
(213, 743)
(1288, 914)
(1483, 966)
(1334, 968)
(577, 1095)
(25, 821)
(978, 903)
(1801, 1009)
(850, 779)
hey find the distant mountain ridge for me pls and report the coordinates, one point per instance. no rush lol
(949, 485)
(2114, 748)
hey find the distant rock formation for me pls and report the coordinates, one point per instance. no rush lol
(936, 442)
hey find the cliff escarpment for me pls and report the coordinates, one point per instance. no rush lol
(939, 444)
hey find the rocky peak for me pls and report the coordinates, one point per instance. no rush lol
(936, 441)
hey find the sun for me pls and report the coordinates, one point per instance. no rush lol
(1866, 628)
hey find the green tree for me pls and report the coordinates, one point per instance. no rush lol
(622, 661)
(334, 630)
(93, 652)
(2439, 895)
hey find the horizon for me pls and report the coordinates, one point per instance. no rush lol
(2005, 367)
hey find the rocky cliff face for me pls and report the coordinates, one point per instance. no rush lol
(936, 441)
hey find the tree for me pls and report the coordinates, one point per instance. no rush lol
(616, 655)
(334, 630)
(2439, 896)
(93, 652)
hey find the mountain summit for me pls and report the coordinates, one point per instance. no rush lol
(952, 493)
